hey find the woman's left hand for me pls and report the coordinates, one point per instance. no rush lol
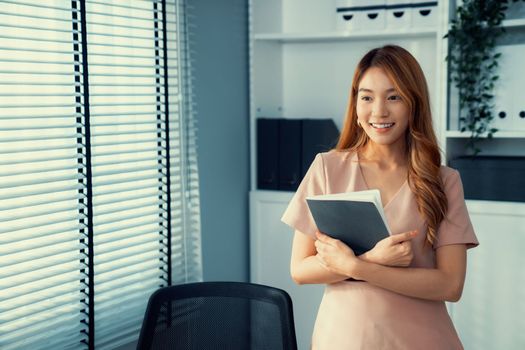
(334, 255)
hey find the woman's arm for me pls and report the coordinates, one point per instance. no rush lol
(445, 282)
(306, 266)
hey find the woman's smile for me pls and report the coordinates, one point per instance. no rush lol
(382, 127)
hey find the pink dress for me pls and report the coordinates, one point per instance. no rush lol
(358, 315)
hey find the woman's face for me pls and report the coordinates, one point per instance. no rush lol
(381, 111)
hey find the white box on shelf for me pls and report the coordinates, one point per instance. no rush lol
(348, 17)
(424, 16)
(398, 14)
(360, 15)
(503, 102)
(516, 66)
(509, 107)
(374, 14)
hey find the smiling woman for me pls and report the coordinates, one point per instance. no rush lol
(373, 301)
(397, 92)
(381, 112)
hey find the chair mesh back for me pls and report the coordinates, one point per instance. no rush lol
(240, 320)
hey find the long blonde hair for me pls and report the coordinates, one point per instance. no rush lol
(423, 155)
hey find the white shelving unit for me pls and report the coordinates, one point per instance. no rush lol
(504, 142)
(490, 313)
(301, 66)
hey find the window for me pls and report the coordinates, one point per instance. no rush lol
(98, 172)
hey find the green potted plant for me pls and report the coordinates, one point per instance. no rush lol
(473, 64)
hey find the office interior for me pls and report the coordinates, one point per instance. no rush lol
(232, 237)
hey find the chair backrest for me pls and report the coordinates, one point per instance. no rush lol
(218, 315)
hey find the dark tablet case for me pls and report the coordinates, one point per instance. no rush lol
(358, 224)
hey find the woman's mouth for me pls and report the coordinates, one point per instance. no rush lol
(382, 125)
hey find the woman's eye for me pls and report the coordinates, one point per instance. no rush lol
(366, 98)
(394, 98)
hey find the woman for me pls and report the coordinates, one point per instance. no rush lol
(393, 296)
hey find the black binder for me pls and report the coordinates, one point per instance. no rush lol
(318, 135)
(290, 154)
(268, 154)
(287, 147)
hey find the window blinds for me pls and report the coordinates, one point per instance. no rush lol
(98, 172)
(129, 187)
(185, 207)
(40, 179)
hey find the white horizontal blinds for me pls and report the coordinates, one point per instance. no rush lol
(128, 166)
(185, 205)
(40, 179)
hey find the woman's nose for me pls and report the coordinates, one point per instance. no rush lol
(379, 109)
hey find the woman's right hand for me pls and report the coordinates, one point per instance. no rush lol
(395, 250)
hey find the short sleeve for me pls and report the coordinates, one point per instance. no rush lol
(456, 227)
(297, 215)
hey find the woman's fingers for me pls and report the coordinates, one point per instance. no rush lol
(395, 250)
(321, 245)
(326, 244)
(402, 237)
(326, 239)
(322, 237)
(407, 249)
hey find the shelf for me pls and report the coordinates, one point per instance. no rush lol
(341, 36)
(496, 207)
(498, 135)
(513, 23)
(378, 34)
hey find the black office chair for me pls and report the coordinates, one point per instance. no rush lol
(218, 315)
